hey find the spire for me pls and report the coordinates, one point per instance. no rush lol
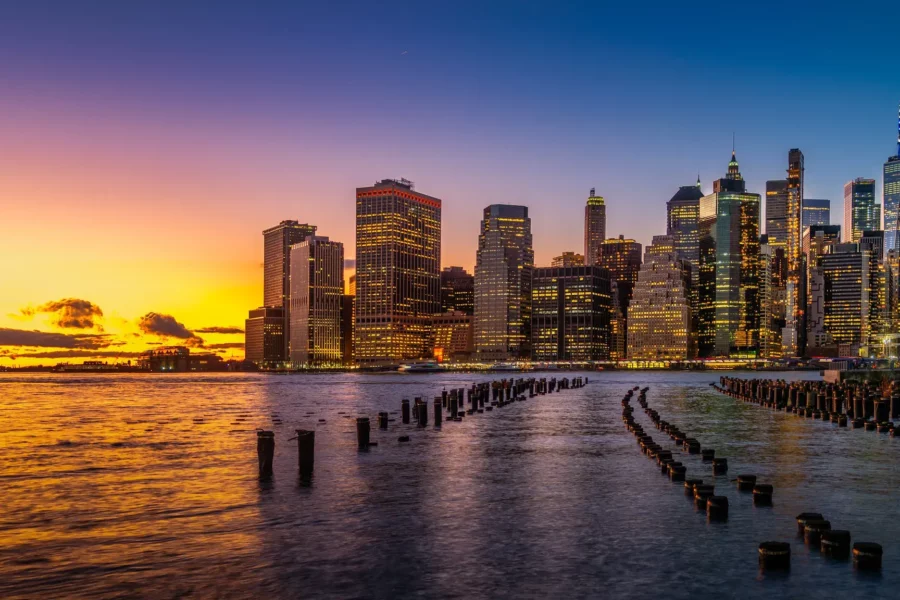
(698, 180)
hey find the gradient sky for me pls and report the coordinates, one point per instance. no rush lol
(146, 145)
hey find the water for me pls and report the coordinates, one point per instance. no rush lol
(146, 486)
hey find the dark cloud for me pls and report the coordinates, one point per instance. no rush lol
(69, 312)
(166, 326)
(75, 354)
(42, 339)
(222, 330)
(349, 263)
(226, 346)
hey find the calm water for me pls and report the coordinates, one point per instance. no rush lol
(146, 486)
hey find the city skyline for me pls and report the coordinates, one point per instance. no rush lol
(153, 176)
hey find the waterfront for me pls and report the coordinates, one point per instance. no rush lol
(146, 486)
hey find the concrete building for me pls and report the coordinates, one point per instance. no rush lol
(594, 226)
(453, 336)
(317, 291)
(852, 281)
(570, 313)
(264, 336)
(772, 296)
(503, 271)
(398, 257)
(457, 290)
(568, 259)
(659, 316)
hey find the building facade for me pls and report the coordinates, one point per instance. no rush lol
(682, 218)
(816, 212)
(570, 313)
(264, 336)
(453, 336)
(659, 317)
(729, 296)
(772, 296)
(860, 210)
(594, 226)
(317, 291)
(503, 271)
(776, 212)
(398, 257)
(277, 242)
(851, 307)
(457, 290)
(568, 259)
(794, 336)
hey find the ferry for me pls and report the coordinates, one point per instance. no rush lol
(426, 367)
(501, 366)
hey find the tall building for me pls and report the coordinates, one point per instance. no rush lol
(568, 259)
(818, 240)
(317, 292)
(277, 243)
(874, 240)
(890, 200)
(659, 317)
(816, 212)
(457, 290)
(594, 226)
(398, 282)
(852, 310)
(264, 336)
(683, 211)
(772, 296)
(776, 212)
(570, 313)
(860, 210)
(794, 335)
(503, 270)
(347, 313)
(622, 258)
(729, 269)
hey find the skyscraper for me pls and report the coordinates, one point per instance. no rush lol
(570, 313)
(860, 210)
(659, 317)
(457, 290)
(317, 290)
(622, 257)
(264, 336)
(729, 255)
(568, 259)
(817, 241)
(776, 212)
(816, 212)
(851, 283)
(794, 336)
(398, 257)
(277, 243)
(503, 269)
(594, 226)
(683, 210)
(772, 295)
(890, 200)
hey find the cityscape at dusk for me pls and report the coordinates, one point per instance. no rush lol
(449, 300)
(153, 176)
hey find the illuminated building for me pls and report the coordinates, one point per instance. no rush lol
(817, 239)
(852, 310)
(264, 336)
(347, 320)
(892, 291)
(317, 291)
(503, 269)
(277, 243)
(398, 257)
(594, 226)
(729, 269)
(568, 259)
(794, 334)
(457, 290)
(683, 213)
(570, 313)
(659, 316)
(860, 210)
(622, 257)
(178, 359)
(890, 199)
(351, 285)
(617, 329)
(816, 212)
(874, 239)
(776, 212)
(772, 277)
(453, 336)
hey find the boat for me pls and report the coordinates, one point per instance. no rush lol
(426, 367)
(501, 366)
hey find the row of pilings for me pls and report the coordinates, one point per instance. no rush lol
(815, 530)
(479, 397)
(855, 404)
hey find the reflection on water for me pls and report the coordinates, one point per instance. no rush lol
(146, 485)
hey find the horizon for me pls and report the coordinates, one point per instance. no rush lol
(148, 148)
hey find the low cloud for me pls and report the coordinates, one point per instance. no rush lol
(69, 313)
(43, 339)
(349, 263)
(74, 354)
(225, 346)
(221, 330)
(166, 326)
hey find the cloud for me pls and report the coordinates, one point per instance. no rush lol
(72, 313)
(349, 263)
(74, 354)
(226, 346)
(222, 330)
(42, 339)
(166, 326)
